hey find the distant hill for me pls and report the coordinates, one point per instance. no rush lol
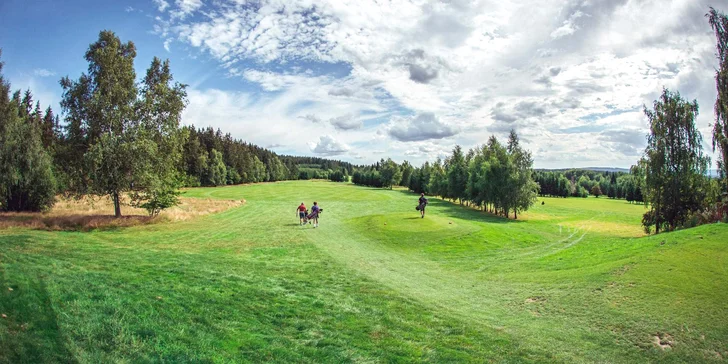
(712, 172)
(607, 169)
(595, 169)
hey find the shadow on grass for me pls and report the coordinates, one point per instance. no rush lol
(31, 322)
(455, 210)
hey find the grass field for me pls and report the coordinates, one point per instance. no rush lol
(572, 280)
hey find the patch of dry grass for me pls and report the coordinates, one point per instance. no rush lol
(97, 213)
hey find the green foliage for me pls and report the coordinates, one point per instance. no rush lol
(215, 172)
(457, 175)
(674, 166)
(160, 198)
(27, 182)
(596, 191)
(338, 176)
(390, 173)
(719, 22)
(407, 170)
(121, 138)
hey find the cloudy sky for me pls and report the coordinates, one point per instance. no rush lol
(361, 80)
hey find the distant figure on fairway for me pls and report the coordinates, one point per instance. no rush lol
(422, 205)
(315, 211)
(302, 211)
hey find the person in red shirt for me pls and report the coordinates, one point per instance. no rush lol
(302, 212)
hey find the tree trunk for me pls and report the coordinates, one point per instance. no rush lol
(117, 206)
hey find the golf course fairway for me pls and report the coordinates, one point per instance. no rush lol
(572, 280)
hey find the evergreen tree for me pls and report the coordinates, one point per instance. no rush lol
(457, 175)
(407, 171)
(26, 178)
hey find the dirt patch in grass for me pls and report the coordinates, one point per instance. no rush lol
(97, 213)
(663, 341)
(535, 299)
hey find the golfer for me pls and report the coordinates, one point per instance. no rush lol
(422, 205)
(315, 210)
(301, 209)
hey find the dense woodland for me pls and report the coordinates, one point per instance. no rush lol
(122, 138)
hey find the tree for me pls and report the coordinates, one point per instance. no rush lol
(407, 171)
(674, 165)
(719, 22)
(523, 189)
(438, 180)
(596, 191)
(100, 108)
(390, 173)
(215, 172)
(160, 112)
(457, 175)
(26, 177)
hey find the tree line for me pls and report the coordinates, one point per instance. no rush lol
(582, 183)
(122, 138)
(495, 177)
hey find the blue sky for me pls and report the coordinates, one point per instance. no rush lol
(362, 80)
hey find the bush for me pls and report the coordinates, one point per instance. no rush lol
(160, 199)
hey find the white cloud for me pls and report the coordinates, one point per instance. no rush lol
(185, 8)
(421, 127)
(42, 72)
(568, 27)
(167, 42)
(570, 83)
(311, 118)
(346, 122)
(329, 146)
(162, 5)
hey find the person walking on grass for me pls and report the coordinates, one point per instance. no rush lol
(422, 205)
(302, 211)
(315, 211)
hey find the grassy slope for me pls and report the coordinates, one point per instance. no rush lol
(576, 282)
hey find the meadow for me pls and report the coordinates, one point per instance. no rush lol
(572, 280)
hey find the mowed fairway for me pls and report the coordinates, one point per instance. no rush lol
(572, 280)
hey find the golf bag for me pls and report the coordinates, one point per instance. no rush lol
(312, 215)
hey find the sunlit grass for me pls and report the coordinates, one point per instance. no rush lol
(571, 280)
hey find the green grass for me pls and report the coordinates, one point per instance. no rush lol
(572, 280)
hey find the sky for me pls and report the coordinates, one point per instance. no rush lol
(364, 80)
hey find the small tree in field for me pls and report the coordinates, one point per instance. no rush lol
(596, 191)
